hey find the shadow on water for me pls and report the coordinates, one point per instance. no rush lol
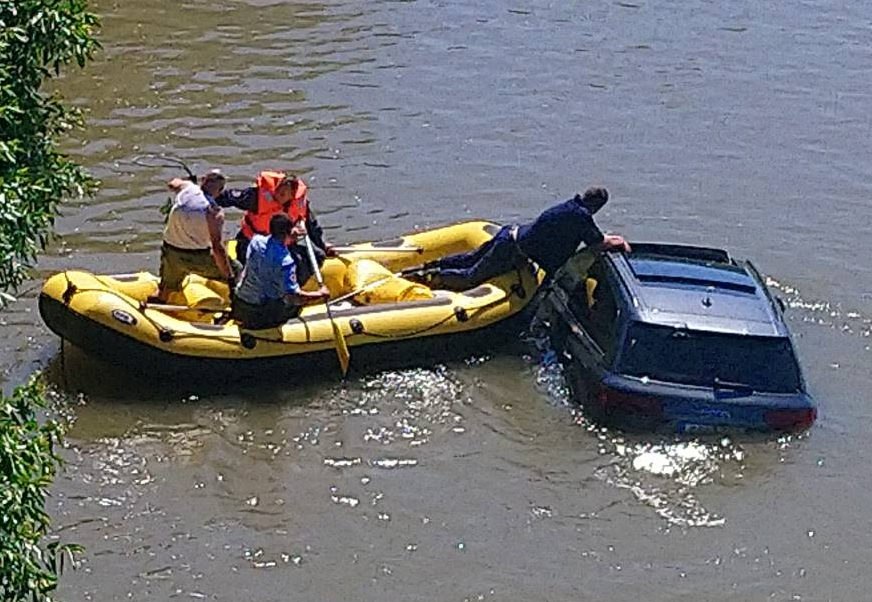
(105, 406)
(75, 371)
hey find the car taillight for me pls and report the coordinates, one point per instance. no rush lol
(791, 420)
(613, 401)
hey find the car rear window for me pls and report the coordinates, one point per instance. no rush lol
(699, 358)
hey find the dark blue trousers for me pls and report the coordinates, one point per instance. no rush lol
(467, 270)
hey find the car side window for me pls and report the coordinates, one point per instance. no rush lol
(594, 304)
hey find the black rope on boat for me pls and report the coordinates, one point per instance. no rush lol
(69, 292)
(411, 333)
(461, 313)
(249, 340)
(73, 290)
(518, 287)
(249, 336)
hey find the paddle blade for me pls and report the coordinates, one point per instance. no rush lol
(341, 349)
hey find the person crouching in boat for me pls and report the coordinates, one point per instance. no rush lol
(192, 236)
(269, 293)
(549, 241)
(276, 192)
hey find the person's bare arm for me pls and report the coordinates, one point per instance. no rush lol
(215, 221)
(309, 298)
(176, 184)
(615, 242)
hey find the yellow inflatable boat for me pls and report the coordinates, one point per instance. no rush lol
(385, 319)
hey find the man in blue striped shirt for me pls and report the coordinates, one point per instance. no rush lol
(268, 294)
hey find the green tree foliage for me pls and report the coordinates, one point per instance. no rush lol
(28, 463)
(37, 38)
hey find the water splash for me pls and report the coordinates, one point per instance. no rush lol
(662, 474)
(342, 462)
(408, 407)
(391, 463)
(823, 313)
(346, 500)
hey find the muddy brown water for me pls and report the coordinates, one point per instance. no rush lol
(739, 124)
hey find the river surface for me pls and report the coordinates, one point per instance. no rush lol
(739, 124)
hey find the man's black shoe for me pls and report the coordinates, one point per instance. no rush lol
(420, 275)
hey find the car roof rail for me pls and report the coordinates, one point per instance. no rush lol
(773, 300)
(708, 254)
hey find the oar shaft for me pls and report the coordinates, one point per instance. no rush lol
(418, 250)
(342, 352)
(363, 288)
(310, 251)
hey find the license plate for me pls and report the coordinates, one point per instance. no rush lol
(690, 427)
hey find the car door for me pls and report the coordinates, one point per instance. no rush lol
(588, 306)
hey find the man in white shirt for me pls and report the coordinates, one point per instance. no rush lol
(192, 237)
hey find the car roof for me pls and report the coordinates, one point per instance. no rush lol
(699, 288)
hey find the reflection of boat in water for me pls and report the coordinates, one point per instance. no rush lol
(390, 321)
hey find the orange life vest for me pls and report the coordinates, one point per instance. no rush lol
(267, 206)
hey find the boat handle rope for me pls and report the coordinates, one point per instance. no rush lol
(462, 314)
(164, 334)
(167, 335)
(459, 312)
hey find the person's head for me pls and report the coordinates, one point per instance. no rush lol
(282, 228)
(213, 183)
(594, 198)
(286, 190)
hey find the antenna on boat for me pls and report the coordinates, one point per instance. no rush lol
(164, 161)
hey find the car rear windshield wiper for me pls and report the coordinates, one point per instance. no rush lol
(719, 383)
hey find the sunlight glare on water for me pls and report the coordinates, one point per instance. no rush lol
(824, 313)
(664, 475)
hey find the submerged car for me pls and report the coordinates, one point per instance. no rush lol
(676, 336)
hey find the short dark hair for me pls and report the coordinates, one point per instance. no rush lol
(280, 225)
(214, 175)
(292, 181)
(595, 197)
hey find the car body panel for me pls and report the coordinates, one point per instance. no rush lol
(698, 290)
(683, 405)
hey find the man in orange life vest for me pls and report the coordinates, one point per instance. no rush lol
(276, 192)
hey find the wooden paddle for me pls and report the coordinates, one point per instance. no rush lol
(338, 338)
